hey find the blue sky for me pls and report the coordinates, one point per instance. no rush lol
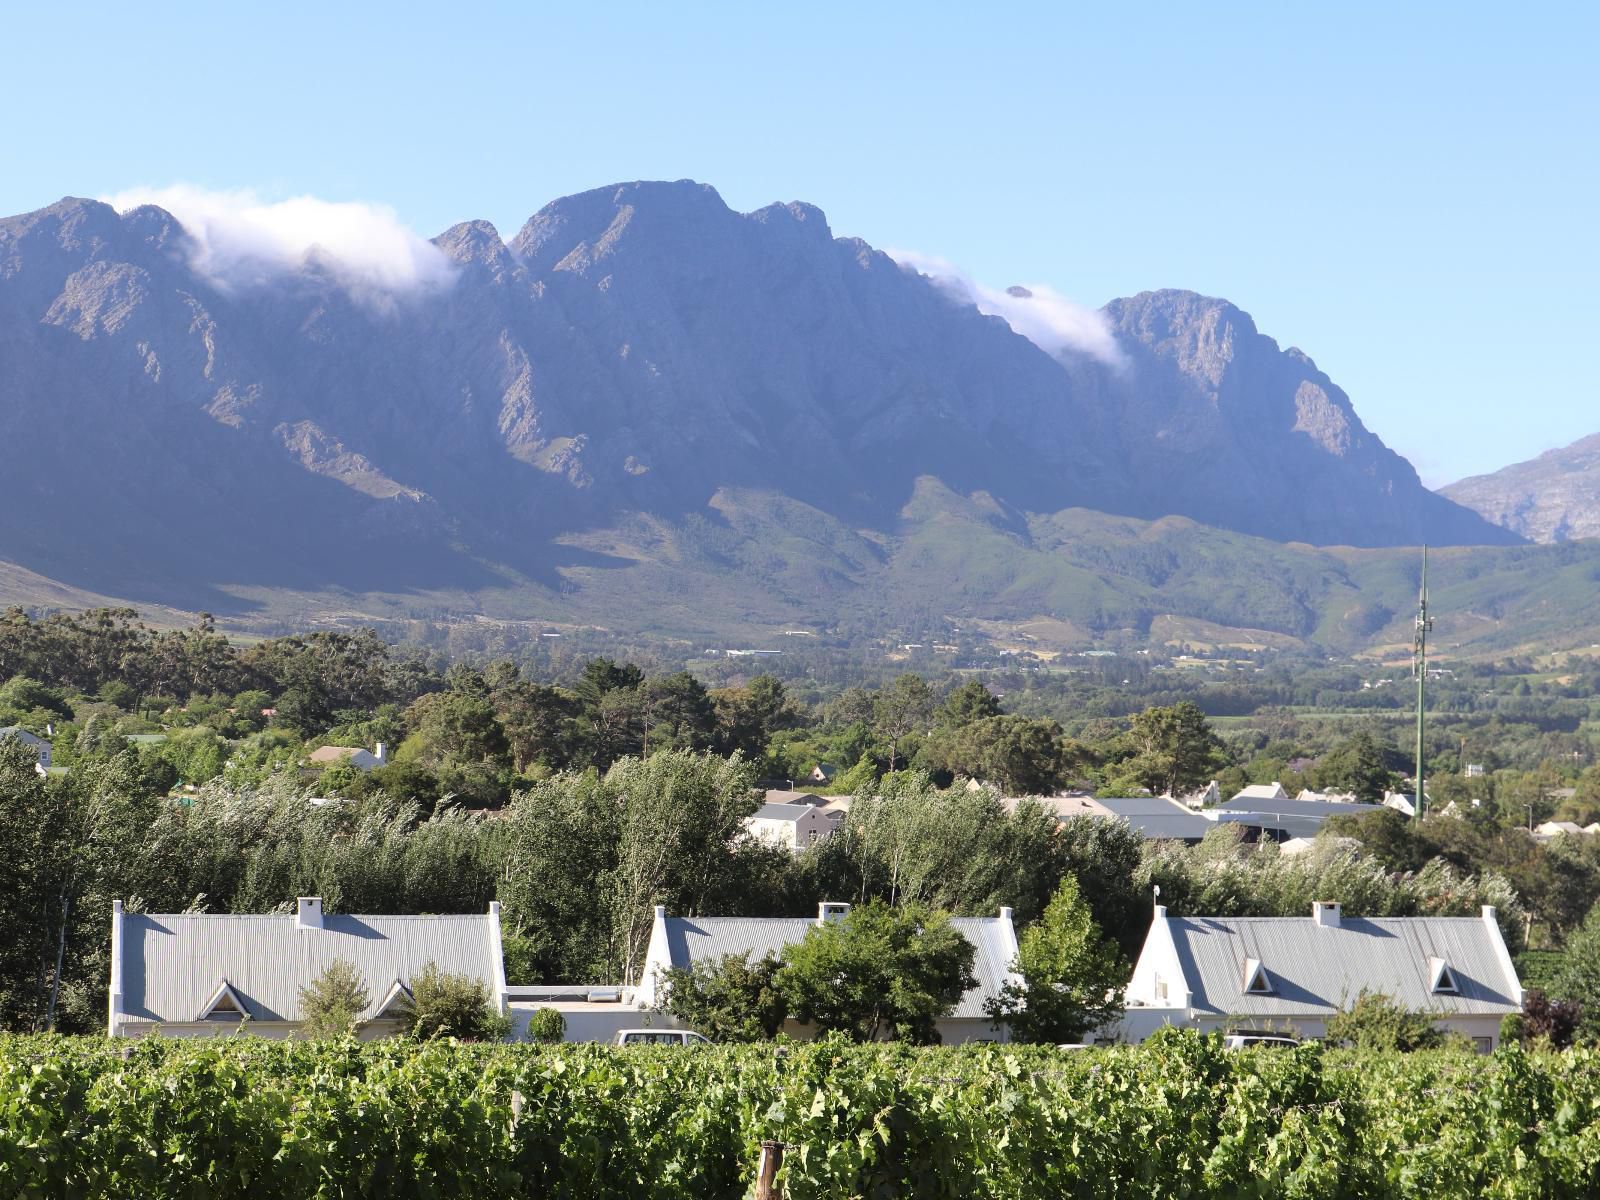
(1408, 193)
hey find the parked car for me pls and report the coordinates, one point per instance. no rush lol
(1238, 1041)
(659, 1037)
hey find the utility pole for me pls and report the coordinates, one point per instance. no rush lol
(1419, 664)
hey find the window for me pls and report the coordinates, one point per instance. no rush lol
(1256, 981)
(1441, 979)
(224, 1005)
(1483, 1045)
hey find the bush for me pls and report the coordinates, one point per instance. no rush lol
(729, 1000)
(332, 1003)
(1377, 1022)
(546, 1025)
(444, 1005)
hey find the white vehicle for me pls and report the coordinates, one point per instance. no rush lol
(1238, 1041)
(658, 1037)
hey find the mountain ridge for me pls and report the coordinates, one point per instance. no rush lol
(638, 349)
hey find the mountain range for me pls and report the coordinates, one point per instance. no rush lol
(649, 408)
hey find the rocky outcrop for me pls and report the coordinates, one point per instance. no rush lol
(1552, 498)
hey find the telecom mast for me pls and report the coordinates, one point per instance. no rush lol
(1419, 665)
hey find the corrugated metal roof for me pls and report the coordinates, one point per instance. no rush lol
(172, 964)
(696, 939)
(1315, 968)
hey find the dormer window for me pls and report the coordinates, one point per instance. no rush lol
(1441, 979)
(397, 1003)
(1256, 981)
(224, 1005)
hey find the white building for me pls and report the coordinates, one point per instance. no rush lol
(793, 826)
(200, 975)
(1206, 797)
(1405, 803)
(684, 941)
(1327, 797)
(358, 757)
(1290, 974)
(41, 748)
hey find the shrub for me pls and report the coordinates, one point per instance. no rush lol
(546, 1025)
(1378, 1022)
(730, 1000)
(445, 1005)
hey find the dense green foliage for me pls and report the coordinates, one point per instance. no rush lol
(730, 999)
(1178, 1116)
(1374, 1021)
(446, 1005)
(879, 971)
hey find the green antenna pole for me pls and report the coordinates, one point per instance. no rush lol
(1420, 665)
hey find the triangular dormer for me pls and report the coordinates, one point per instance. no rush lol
(1441, 979)
(395, 1003)
(224, 1005)
(1256, 980)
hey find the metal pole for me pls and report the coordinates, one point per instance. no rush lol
(1421, 662)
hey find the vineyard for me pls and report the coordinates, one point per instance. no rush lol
(1176, 1117)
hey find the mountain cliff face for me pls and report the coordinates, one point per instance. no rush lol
(1552, 498)
(634, 349)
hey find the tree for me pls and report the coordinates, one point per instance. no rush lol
(970, 702)
(540, 724)
(900, 709)
(1172, 751)
(588, 856)
(444, 1004)
(1072, 977)
(332, 1003)
(678, 713)
(1356, 765)
(1546, 1018)
(729, 999)
(878, 971)
(1022, 756)
(1104, 857)
(1376, 1021)
(1579, 977)
(747, 717)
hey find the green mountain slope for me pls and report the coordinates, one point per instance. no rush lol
(753, 564)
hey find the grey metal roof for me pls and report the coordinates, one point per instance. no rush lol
(1158, 817)
(1296, 818)
(696, 939)
(783, 812)
(171, 965)
(1314, 969)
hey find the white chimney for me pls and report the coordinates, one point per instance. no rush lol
(381, 753)
(831, 910)
(1325, 913)
(309, 915)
